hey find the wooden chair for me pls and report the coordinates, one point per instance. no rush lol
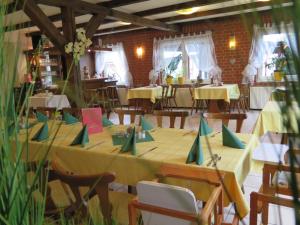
(269, 191)
(113, 97)
(225, 117)
(171, 97)
(97, 186)
(242, 102)
(162, 100)
(132, 113)
(172, 117)
(197, 104)
(168, 204)
(91, 97)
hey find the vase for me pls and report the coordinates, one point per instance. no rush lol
(278, 75)
(180, 80)
(169, 80)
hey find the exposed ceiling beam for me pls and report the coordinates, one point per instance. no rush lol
(94, 23)
(237, 8)
(231, 11)
(43, 23)
(119, 3)
(143, 13)
(90, 8)
(183, 17)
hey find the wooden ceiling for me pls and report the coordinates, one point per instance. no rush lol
(104, 16)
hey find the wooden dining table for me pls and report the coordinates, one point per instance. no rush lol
(271, 119)
(217, 95)
(169, 146)
(144, 97)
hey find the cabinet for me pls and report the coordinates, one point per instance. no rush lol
(47, 64)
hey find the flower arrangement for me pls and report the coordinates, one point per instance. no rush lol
(283, 61)
(78, 47)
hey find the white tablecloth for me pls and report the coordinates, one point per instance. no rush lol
(53, 101)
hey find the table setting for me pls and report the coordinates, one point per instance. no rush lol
(143, 149)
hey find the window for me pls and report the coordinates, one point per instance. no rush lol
(113, 64)
(265, 73)
(178, 63)
(271, 43)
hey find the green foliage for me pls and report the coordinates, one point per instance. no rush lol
(173, 65)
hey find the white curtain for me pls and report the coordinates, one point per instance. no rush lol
(201, 52)
(260, 48)
(160, 49)
(118, 58)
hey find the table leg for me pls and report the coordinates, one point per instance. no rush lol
(216, 106)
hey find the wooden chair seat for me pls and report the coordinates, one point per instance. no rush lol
(172, 117)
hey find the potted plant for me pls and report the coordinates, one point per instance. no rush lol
(282, 62)
(171, 68)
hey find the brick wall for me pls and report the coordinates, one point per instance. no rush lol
(221, 29)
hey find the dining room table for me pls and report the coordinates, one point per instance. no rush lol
(168, 145)
(272, 118)
(217, 96)
(144, 97)
(49, 100)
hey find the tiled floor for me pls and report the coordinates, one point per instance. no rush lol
(253, 182)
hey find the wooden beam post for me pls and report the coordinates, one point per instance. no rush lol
(43, 23)
(94, 23)
(69, 31)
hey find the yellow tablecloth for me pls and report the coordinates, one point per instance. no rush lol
(225, 92)
(172, 147)
(271, 119)
(145, 92)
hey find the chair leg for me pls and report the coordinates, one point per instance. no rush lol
(265, 214)
(193, 104)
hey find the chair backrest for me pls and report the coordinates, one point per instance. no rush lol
(131, 113)
(172, 117)
(90, 95)
(103, 94)
(165, 91)
(97, 183)
(244, 90)
(225, 117)
(168, 197)
(112, 92)
(173, 91)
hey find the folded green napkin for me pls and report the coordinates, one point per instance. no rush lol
(204, 129)
(69, 119)
(82, 137)
(42, 133)
(41, 117)
(120, 139)
(196, 152)
(130, 143)
(146, 125)
(230, 139)
(106, 122)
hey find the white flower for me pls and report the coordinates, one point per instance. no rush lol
(80, 34)
(69, 47)
(88, 43)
